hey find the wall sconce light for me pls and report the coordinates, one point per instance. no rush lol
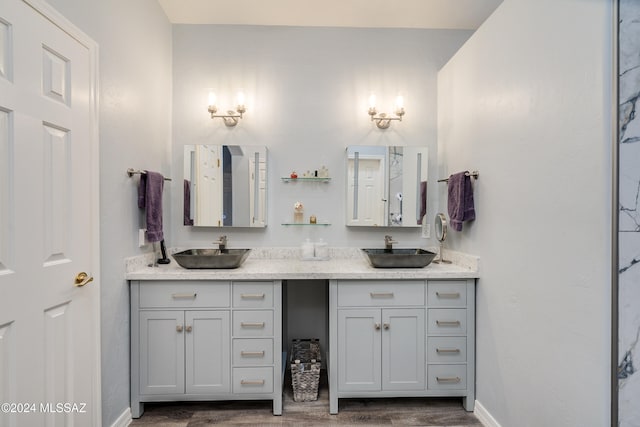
(232, 117)
(382, 120)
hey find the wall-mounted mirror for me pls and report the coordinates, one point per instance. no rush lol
(386, 186)
(225, 185)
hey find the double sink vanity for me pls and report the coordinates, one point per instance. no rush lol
(213, 324)
(217, 334)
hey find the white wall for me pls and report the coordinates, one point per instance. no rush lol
(307, 95)
(527, 102)
(135, 130)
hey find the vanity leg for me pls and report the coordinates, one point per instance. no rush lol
(333, 403)
(277, 405)
(333, 347)
(469, 403)
(137, 409)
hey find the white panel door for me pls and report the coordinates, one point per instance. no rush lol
(208, 185)
(49, 327)
(366, 202)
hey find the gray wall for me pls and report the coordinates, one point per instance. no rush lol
(307, 93)
(527, 101)
(135, 129)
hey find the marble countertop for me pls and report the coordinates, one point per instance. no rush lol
(286, 264)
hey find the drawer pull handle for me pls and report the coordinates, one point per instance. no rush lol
(447, 350)
(448, 322)
(448, 294)
(252, 382)
(184, 296)
(252, 324)
(448, 379)
(252, 296)
(252, 353)
(179, 328)
(381, 294)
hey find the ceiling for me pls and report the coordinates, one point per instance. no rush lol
(436, 14)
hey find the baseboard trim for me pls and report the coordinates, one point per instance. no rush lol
(124, 419)
(484, 416)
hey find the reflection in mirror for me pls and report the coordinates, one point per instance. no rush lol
(386, 186)
(225, 185)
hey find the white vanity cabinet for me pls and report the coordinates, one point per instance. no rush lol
(205, 340)
(401, 338)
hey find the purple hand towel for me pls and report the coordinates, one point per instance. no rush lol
(460, 200)
(150, 199)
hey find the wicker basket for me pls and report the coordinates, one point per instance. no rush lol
(305, 369)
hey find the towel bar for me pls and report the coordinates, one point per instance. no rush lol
(473, 174)
(132, 172)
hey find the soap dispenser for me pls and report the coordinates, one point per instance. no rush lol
(307, 249)
(322, 250)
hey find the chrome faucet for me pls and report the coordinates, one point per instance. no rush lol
(222, 243)
(388, 243)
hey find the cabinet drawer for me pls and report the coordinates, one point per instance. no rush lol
(364, 293)
(184, 294)
(447, 377)
(253, 323)
(447, 321)
(253, 380)
(447, 349)
(253, 294)
(252, 351)
(447, 293)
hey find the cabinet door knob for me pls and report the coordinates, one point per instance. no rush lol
(386, 325)
(179, 328)
(189, 328)
(377, 326)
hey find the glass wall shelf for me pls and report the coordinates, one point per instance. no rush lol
(307, 179)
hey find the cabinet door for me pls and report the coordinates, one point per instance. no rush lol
(359, 340)
(403, 349)
(161, 352)
(208, 352)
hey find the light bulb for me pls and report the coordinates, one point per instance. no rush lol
(372, 101)
(212, 99)
(399, 102)
(240, 98)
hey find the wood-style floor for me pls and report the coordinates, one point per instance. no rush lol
(352, 412)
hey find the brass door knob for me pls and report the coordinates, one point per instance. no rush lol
(82, 279)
